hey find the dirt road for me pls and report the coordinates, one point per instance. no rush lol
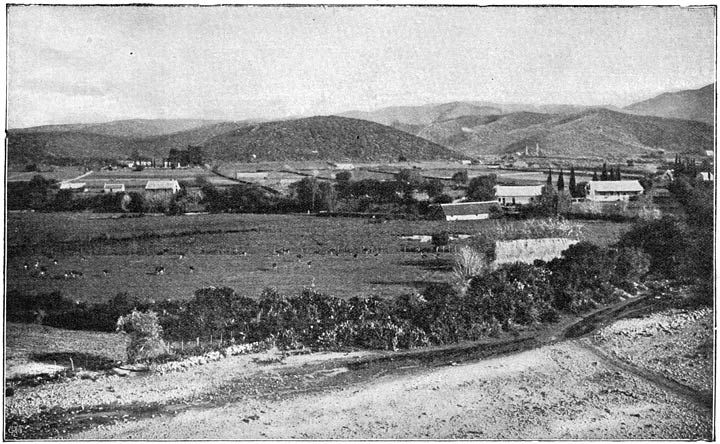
(624, 381)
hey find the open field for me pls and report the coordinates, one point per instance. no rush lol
(59, 173)
(343, 257)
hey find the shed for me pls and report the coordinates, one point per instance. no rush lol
(704, 176)
(517, 194)
(75, 186)
(171, 186)
(342, 166)
(114, 188)
(467, 210)
(613, 190)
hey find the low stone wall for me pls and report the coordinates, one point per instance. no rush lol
(528, 250)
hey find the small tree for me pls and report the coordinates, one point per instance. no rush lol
(617, 174)
(482, 188)
(440, 239)
(573, 184)
(595, 176)
(549, 178)
(461, 177)
(561, 181)
(604, 174)
(145, 335)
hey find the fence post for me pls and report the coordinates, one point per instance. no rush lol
(182, 345)
(197, 341)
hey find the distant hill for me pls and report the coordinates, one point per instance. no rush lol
(397, 116)
(696, 104)
(598, 132)
(132, 129)
(327, 138)
(324, 137)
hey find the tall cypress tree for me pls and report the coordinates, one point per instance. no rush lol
(573, 191)
(604, 173)
(618, 176)
(549, 178)
(561, 181)
(595, 176)
(611, 174)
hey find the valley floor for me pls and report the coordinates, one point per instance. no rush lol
(641, 378)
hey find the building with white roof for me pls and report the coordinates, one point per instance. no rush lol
(517, 195)
(467, 210)
(613, 190)
(171, 186)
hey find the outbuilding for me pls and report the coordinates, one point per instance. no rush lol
(613, 190)
(114, 188)
(74, 186)
(467, 210)
(170, 186)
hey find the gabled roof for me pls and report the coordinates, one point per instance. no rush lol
(114, 185)
(72, 185)
(616, 185)
(518, 191)
(162, 185)
(466, 208)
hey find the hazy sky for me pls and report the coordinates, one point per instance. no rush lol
(82, 64)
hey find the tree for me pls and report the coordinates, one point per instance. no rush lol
(617, 174)
(307, 193)
(145, 335)
(482, 188)
(343, 176)
(440, 239)
(549, 178)
(595, 176)
(573, 184)
(604, 174)
(328, 196)
(410, 179)
(561, 181)
(461, 177)
(434, 188)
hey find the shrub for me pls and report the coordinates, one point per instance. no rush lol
(145, 335)
(440, 239)
(468, 264)
(665, 241)
(631, 265)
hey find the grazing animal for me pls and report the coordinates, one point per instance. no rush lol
(181, 256)
(42, 271)
(299, 256)
(377, 254)
(37, 264)
(309, 264)
(423, 255)
(355, 255)
(274, 265)
(55, 261)
(159, 270)
(83, 258)
(26, 266)
(105, 272)
(244, 253)
(192, 269)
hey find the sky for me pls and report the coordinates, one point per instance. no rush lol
(69, 64)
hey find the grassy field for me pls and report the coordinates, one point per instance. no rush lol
(344, 257)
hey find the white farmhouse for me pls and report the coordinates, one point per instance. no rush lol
(74, 186)
(517, 195)
(613, 190)
(114, 188)
(171, 186)
(467, 210)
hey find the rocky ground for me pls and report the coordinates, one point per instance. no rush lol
(634, 379)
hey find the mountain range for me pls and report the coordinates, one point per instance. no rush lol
(678, 122)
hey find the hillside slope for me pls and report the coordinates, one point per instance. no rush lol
(329, 137)
(593, 133)
(131, 129)
(697, 104)
(64, 147)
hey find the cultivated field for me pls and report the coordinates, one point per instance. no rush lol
(343, 257)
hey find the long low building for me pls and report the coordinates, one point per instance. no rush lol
(517, 194)
(613, 190)
(171, 186)
(467, 210)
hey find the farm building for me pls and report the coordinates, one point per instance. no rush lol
(467, 210)
(705, 176)
(74, 186)
(114, 188)
(710, 153)
(613, 190)
(342, 166)
(517, 195)
(171, 186)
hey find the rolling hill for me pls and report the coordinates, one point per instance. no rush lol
(132, 129)
(597, 132)
(327, 137)
(314, 138)
(697, 104)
